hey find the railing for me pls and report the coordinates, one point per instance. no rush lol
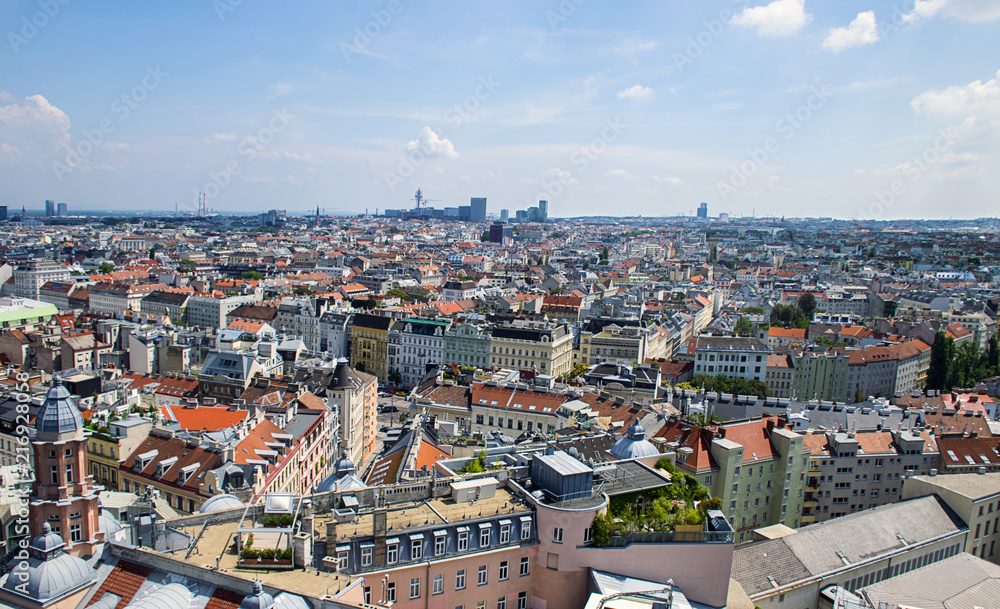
(620, 541)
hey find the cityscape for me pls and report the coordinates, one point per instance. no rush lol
(500, 306)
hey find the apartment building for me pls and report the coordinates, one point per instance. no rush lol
(173, 467)
(467, 344)
(819, 374)
(115, 299)
(532, 345)
(854, 471)
(975, 498)
(421, 342)
(30, 276)
(756, 466)
(780, 375)
(369, 344)
(883, 371)
(108, 448)
(514, 410)
(204, 311)
(166, 305)
(744, 358)
(623, 341)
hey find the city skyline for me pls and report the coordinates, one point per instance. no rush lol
(784, 108)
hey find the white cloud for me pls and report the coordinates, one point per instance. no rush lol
(862, 31)
(977, 97)
(966, 10)
(31, 124)
(635, 92)
(619, 173)
(566, 178)
(779, 19)
(673, 180)
(431, 144)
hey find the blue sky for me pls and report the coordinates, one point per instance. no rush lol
(792, 107)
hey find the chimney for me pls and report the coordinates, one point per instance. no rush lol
(770, 425)
(982, 471)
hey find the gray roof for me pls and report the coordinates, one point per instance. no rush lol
(59, 413)
(816, 549)
(52, 574)
(974, 486)
(258, 599)
(634, 444)
(960, 582)
(170, 596)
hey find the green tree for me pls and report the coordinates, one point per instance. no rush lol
(252, 275)
(743, 327)
(993, 356)
(400, 294)
(753, 310)
(106, 268)
(942, 352)
(395, 377)
(807, 304)
(788, 316)
(485, 236)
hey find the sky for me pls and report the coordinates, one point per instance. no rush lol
(796, 108)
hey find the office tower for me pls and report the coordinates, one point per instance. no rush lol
(501, 232)
(543, 211)
(465, 213)
(3, 213)
(478, 212)
(504, 215)
(532, 214)
(50, 208)
(521, 215)
(703, 211)
(63, 211)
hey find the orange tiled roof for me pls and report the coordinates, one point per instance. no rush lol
(203, 418)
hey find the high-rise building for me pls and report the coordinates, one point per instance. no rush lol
(3, 213)
(521, 215)
(703, 211)
(478, 211)
(63, 210)
(50, 208)
(501, 232)
(504, 215)
(543, 211)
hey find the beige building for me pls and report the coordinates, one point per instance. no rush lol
(976, 500)
(525, 345)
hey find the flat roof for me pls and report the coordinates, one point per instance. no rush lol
(974, 486)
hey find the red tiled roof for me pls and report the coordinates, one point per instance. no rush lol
(124, 581)
(204, 418)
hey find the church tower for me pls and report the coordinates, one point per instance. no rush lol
(64, 496)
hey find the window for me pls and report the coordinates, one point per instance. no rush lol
(438, 584)
(557, 535)
(502, 602)
(416, 549)
(390, 592)
(392, 554)
(54, 472)
(524, 566)
(503, 570)
(415, 587)
(439, 542)
(587, 534)
(505, 533)
(481, 577)
(525, 530)
(463, 541)
(366, 556)
(480, 604)
(368, 595)
(75, 536)
(522, 600)
(460, 580)
(484, 537)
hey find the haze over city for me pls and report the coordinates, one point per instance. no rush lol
(788, 108)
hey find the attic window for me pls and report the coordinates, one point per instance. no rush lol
(493, 403)
(483, 401)
(532, 407)
(547, 409)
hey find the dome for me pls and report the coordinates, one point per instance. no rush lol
(343, 465)
(59, 413)
(47, 541)
(221, 503)
(170, 596)
(634, 444)
(290, 601)
(258, 599)
(108, 525)
(52, 573)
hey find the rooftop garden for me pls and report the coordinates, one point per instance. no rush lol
(685, 503)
